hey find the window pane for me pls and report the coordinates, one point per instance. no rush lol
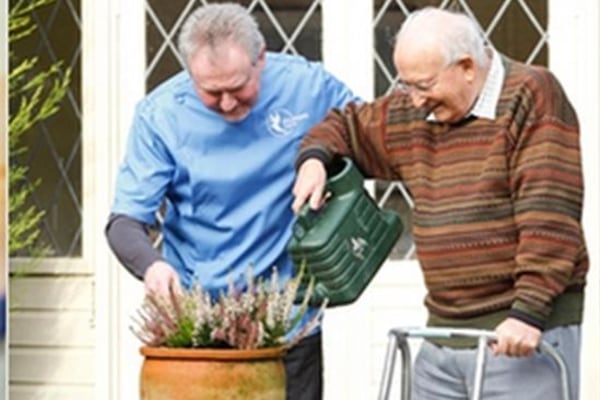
(515, 28)
(288, 26)
(53, 153)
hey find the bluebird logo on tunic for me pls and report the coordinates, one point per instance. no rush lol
(281, 122)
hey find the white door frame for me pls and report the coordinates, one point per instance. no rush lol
(113, 62)
(574, 59)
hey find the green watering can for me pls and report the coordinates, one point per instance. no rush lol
(343, 244)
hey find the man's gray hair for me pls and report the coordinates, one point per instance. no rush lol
(212, 24)
(457, 33)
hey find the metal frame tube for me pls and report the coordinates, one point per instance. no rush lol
(398, 340)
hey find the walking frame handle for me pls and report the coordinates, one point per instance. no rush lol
(399, 340)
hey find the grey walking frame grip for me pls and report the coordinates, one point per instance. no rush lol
(398, 339)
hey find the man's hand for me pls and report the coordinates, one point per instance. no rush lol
(162, 279)
(310, 185)
(515, 338)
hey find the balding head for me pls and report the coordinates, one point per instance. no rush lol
(442, 62)
(451, 35)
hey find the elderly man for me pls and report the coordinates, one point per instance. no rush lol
(489, 149)
(216, 145)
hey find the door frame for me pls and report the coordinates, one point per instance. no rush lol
(575, 61)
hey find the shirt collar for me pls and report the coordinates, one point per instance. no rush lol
(485, 106)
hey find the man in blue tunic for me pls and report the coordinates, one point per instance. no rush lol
(215, 144)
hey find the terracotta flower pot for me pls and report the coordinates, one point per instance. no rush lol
(212, 374)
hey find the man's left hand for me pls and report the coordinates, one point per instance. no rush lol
(515, 338)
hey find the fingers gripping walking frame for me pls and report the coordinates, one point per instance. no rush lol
(398, 340)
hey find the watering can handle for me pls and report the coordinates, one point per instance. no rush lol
(305, 220)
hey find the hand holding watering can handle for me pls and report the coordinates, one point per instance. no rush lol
(305, 220)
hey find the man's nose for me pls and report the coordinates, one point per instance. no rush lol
(227, 102)
(418, 98)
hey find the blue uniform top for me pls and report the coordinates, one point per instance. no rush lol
(227, 186)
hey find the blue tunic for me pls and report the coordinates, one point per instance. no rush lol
(227, 186)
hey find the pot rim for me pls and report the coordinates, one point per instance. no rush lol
(213, 353)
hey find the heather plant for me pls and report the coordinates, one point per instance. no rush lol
(259, 316)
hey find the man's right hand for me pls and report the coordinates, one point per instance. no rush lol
(310, 185)
(162, 279)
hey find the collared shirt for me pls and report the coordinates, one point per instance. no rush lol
(485, 106)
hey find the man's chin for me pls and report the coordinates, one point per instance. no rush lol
(236, 116)
(444, 116)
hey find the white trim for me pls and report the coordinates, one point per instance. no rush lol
(49, 265)
(348, 43)
(113, 79)
(97, 70)
(131, 88)
(574, 43)
(347, 49)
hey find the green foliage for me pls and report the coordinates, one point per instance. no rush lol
(34, 96)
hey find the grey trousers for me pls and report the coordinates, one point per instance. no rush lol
(445, 373)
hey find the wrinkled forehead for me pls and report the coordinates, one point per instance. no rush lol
(418, 60)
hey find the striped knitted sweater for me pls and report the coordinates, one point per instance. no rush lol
(497, 202)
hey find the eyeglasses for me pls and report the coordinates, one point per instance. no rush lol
(419, 87)
(422, 86)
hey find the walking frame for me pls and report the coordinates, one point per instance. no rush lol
(398, 340)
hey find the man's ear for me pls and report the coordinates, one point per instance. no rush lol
(468, 66)
(261, 57)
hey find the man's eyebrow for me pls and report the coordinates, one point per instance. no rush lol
(417, 82)
(230, 89)
(218, 91)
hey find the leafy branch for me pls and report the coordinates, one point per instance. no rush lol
(34, 96)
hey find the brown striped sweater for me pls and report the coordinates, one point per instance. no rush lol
(497, 216)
